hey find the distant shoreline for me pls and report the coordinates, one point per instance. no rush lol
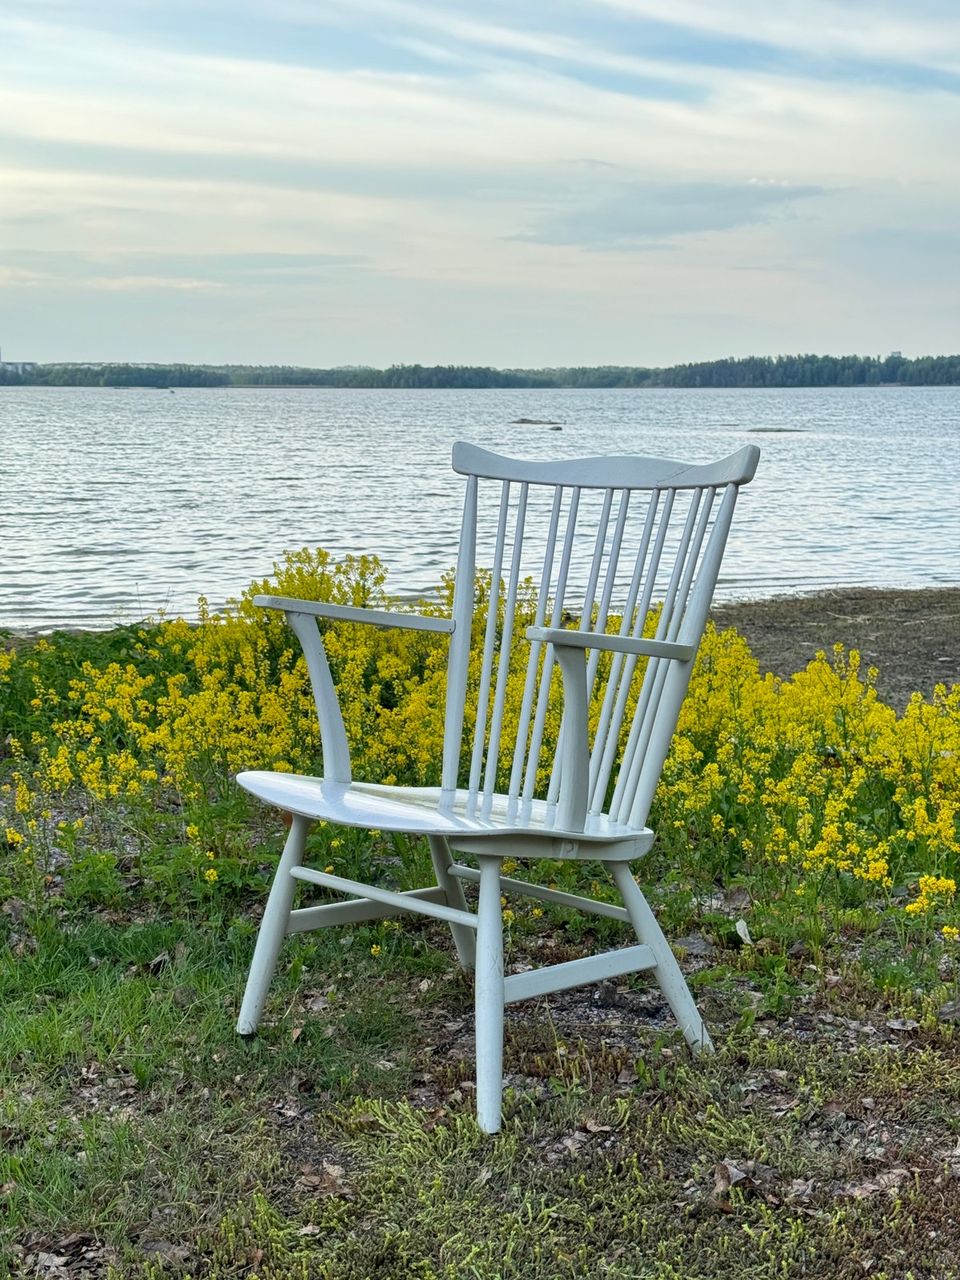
(786, 372)
(324, 386)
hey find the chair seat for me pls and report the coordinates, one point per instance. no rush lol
(418, 811)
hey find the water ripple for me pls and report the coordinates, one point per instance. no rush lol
(116, 505)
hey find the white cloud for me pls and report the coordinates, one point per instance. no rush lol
(489, 167)
(923, 33)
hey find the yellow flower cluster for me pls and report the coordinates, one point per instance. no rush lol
(932, 891)
(812, 778)
(814, 775)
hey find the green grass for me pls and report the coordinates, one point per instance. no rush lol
(341, 1142)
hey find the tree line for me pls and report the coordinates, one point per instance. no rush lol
(749, 371)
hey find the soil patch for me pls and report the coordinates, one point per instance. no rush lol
(912, 637)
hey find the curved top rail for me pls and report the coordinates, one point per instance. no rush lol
(608, 473)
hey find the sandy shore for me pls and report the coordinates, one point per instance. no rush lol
(912, 637)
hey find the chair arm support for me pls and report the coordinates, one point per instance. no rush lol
(569, 648)
(574, 748)
(562, 638)
(333, 735)
(349, 613)
(303, 616)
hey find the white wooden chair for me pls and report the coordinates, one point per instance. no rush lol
(623, 541)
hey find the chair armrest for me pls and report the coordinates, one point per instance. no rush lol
(619, 644)
(348, 613)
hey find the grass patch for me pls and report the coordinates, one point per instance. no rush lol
(806, 866)
(142, 1138)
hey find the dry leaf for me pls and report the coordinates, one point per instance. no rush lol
(167, 1250)
(726, 1175)
(329, 1181)
(888, 1180)
(800, 1189)
(50, 1264)
(751, 1176)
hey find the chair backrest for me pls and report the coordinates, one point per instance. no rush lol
(593, 544)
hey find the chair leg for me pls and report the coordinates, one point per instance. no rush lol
(489, 997)
(273, 928)
(463, 937)
(667, 971)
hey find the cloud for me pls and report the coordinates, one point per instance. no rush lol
(371, 171)
(926, 33)
(653, 214)
(125, 271)
(147, 284)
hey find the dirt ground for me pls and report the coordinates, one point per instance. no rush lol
(912, 637)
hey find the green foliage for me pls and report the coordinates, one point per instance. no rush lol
(33, 685)
(809, 794)
(749, 371)
(813, 371)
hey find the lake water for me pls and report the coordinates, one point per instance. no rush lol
(117, 504)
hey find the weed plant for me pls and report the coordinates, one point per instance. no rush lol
(140, 1138)
(121, 751)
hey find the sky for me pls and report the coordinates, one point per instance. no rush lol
(587, 182)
